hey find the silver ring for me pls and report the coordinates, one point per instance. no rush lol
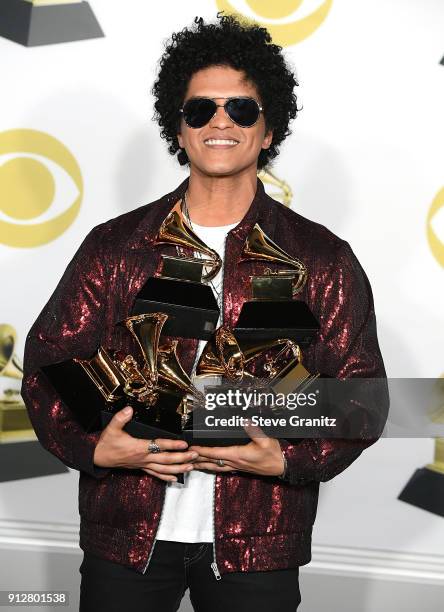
(220, 462)
(153, 447)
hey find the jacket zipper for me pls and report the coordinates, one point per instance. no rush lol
(157, 529)
(214, 563)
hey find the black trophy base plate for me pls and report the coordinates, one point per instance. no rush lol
(270, 319)
(32, 26)
(192, 436)
(19, 460)
(425, 489)
(77, 391)
(138, 429)
(191, 307)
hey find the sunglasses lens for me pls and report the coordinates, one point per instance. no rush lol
(243, 111)
(198, 112)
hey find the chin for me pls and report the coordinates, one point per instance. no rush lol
(222, 169)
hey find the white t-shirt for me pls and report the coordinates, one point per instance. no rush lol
(187, 514)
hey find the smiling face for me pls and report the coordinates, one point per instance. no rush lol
(221, 147)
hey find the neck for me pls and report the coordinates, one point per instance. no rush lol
(220, 200)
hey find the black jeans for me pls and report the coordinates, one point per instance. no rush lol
(174, 567)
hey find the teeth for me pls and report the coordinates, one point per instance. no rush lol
(213, 141)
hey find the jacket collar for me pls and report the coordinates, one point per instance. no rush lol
(262, 210)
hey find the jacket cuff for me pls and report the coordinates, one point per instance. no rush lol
(83, 456)
(284, 475)
(300, 467)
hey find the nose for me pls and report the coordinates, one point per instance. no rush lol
(220, 119)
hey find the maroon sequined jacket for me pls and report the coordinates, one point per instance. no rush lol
(261, 523)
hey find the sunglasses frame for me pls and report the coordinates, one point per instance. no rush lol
(224, 105)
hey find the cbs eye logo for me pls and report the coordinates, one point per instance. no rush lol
(287, 32)
(38, 176)
(435, 227)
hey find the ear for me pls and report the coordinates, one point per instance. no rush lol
(268, 139)
(180, 140)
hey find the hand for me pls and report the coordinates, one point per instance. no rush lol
(263, 455)
(116, 448)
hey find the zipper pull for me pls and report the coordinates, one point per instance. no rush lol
(215, 570)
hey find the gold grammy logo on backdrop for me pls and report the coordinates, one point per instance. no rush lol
(288, 32)
(37, 175)
(435, 227)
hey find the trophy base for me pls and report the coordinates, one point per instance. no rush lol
(200, 437)
(195, 316)
(19, 460)
(78, 392)
(15, 425)
(87, 404)
(31, 26)
(295, 319)
(425, 489)
(161, 418)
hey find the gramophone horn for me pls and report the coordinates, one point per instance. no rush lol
(146, 329)
(252, 352)
(260, 246)
(10, 364)
(174, 230)
(170, 370)
(222, 356)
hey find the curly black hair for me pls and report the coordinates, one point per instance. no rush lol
(227, 42)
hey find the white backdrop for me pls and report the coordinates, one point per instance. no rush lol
(365, 159)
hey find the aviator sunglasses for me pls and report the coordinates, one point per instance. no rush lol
(242, 110)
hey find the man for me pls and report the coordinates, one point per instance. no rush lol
(237, 531)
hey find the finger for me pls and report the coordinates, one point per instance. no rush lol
(169, 444)
(169, 458)
(214, 467)
(166, 477)
(165, 444)
(120, 419)
(207, 459)
(217, 452)
(178, 468)
(201, 459)
(212, 460)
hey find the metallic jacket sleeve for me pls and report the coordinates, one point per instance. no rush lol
(347, 347)
(68, 326)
